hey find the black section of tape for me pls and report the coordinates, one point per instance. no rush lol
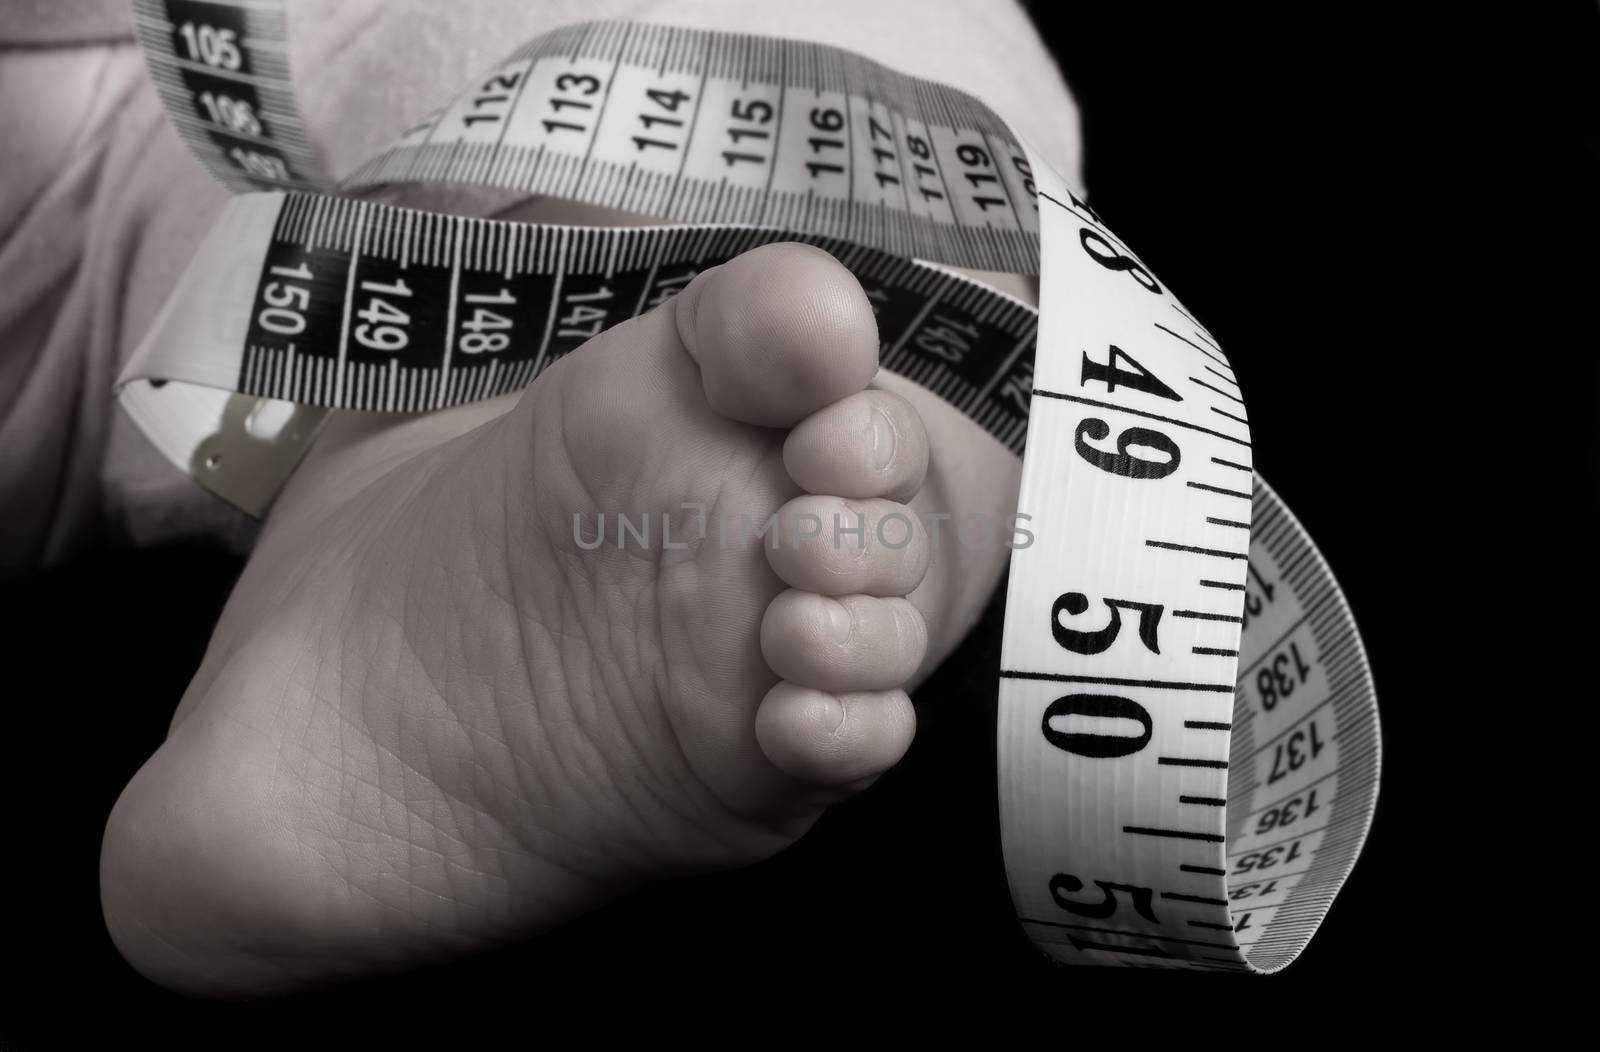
(365, 306)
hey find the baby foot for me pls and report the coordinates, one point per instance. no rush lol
(435, 715)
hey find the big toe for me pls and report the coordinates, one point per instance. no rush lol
(778, 333)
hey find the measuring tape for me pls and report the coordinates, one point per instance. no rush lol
(1188, 737)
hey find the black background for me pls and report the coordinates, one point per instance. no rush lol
(1338, 197)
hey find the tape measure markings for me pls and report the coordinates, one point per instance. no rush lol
(1285, 923)
(232, 97)
(324, 251)
(1348, 696)
(573, 65)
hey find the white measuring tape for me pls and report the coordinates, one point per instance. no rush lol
(1188, 736)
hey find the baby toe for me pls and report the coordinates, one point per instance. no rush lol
(834, 546)
(834, 739)
(871, 444)
(778, 333)
(855, 642)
